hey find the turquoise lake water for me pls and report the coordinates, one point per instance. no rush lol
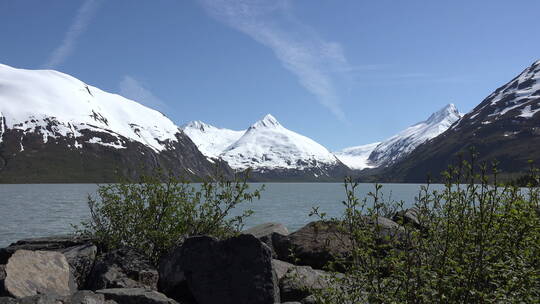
(47, 209)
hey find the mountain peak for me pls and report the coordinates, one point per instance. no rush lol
(451, 106)
(503, 126)
(267, 145)
(196, 124)
(31, 100)
(516, 99)
(210, 140)
(401, 144)
(268, 121)
(450, 110)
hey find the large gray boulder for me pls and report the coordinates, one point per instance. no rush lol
(300, 282)
(408, 217)
(79, 252)
(296, 283)
(88, 297)
(81, 259)
(236, 270)
(50, 243)
(268, 233)
(2, 278)
(29, 273)
(281, 268)
(321, 242)
(122, 268)
(79, 297)
(314, 245)
(135, 296)
(267, 229)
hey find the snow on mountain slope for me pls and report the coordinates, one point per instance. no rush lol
(516, 99)
(267, 145)
(504, 127)
(210, 140)
(2, 127)
(357, 157)
(55, 104)
(401, 144)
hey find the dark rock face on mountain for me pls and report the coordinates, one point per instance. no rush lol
(320, 174)
(504, 127)
(59, 161)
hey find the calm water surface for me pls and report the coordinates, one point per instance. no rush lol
(46, 209)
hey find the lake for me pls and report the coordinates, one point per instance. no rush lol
(47, 209)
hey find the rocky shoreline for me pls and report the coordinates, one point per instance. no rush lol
(255, 267)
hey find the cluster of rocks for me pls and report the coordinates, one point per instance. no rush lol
(263, 265)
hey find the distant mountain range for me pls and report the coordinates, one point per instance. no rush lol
(395, 148)
(56, 128)
(505, 127)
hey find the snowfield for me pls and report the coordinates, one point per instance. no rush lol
(210, 140)
(266, 145)
(357, 157)
(403, 143)
(269, 145)
(55, 104)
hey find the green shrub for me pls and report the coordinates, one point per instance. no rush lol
(479, 242)
(159, 211)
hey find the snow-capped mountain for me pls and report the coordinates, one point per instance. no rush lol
(518, 99)
(505, 127)
(210, 140)
(32, 100)
(396, 147)
(357, 157)
(53, 115)
(270, 149)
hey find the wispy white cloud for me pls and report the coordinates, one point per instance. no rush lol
(84, 15)
(317, 63)
(364, 68)
(133, 89)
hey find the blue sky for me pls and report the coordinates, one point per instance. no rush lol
(341, 72)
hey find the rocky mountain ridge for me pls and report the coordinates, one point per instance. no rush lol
(269, 150)
(504, 127)
(395, 148)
